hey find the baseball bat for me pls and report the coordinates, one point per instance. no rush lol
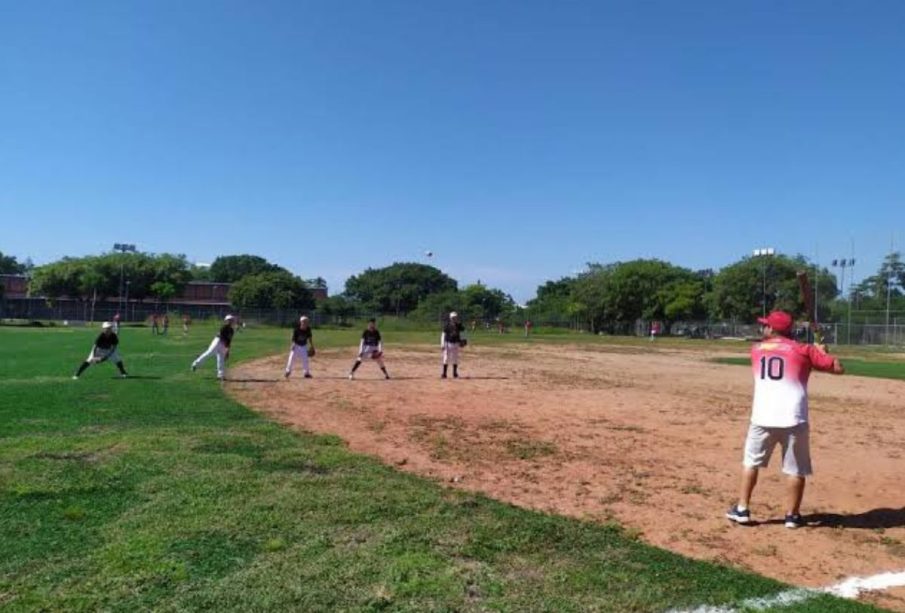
(807, 294)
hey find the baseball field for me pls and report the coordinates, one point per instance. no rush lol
(561, 473)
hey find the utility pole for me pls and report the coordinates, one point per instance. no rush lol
(122, 248)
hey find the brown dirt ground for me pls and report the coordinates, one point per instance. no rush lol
(650, 438)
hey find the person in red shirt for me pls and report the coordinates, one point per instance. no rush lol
(779, 415)
(528, 325)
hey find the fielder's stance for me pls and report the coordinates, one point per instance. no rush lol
(104, 349)
(781, 367)
(302, 335)
(371, 346)
(450, 342)
(219, 347)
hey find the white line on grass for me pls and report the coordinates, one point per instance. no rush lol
(850, 588)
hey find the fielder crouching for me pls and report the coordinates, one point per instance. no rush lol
(370, 347)
(450, 342)
(219, 347)
(104, 349)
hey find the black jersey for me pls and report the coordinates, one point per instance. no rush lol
(371, 338)
(453, 332)
(226, 335)
(301, 336)
(106, 341)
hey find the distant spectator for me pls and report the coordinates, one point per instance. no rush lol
(155, 327)
(166, 323)
(186, 321)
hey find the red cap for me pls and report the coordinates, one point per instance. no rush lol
(778, 320)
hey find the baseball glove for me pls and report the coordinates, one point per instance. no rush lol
(463, 342)
(376, 355)
(311, 352)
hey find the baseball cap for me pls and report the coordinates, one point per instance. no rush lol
(229, 317)
(778, 320)
(106, 325)
(453, 314)
(303, 318)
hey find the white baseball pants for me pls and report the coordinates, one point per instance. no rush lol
(450, 353)
(216, 348)
(301, 352)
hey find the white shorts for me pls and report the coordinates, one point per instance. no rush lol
(451, 353)
(368, 352)
(100, 355)
(795, 443)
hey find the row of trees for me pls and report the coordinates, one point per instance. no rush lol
(613, 296)
(603, 297)
(256, 283)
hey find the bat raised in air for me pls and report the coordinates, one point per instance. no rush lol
(807, 294)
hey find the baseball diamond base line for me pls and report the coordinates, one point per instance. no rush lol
(851, 588)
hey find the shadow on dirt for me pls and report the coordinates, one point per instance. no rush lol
(868, 520)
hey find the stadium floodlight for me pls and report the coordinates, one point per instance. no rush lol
(765, 253)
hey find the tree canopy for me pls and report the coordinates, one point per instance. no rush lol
(231, 268)
(9, 265)
(397, 289)
(275, 289)
(82, 277)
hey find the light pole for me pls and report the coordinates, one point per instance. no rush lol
(764, 253)
(843, 264)
(122, 248)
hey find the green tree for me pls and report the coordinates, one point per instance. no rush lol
(738, 289)
(163, 290)
(339, 307)
(9, 265)
(81, 277)
(279, 289)
(231, 268)
(398, 288)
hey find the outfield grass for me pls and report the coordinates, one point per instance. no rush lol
(853, 366)
(160, 492)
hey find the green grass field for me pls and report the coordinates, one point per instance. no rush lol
(853, 366)
(159, 492)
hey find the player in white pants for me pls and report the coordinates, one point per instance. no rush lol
(219, 347)
(450, 342)
(302, 337)
(370, 347)
(104, 349)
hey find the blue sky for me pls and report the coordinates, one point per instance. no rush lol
(516, 140)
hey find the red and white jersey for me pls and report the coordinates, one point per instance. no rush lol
(781, 368)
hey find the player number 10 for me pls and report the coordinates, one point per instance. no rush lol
(773, 367)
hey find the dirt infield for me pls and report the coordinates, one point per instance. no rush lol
(649, 438)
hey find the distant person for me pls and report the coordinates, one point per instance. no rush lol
(302, 338)
(781, 367)
(186, 322)
(474, 325)
(116, 324)
(528, 325)
(105, 348)
(450, 342)
(654, 330)
(370, 347)
(501, 327)
(220, 347)
(155, 328)
(166, 323)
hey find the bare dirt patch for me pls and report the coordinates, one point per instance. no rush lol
(651, 439)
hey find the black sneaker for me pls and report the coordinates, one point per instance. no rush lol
(738, 516)
(308, 375)
(794, 520)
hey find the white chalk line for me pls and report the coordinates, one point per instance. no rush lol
(851, 588)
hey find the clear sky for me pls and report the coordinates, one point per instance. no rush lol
(517, 140)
